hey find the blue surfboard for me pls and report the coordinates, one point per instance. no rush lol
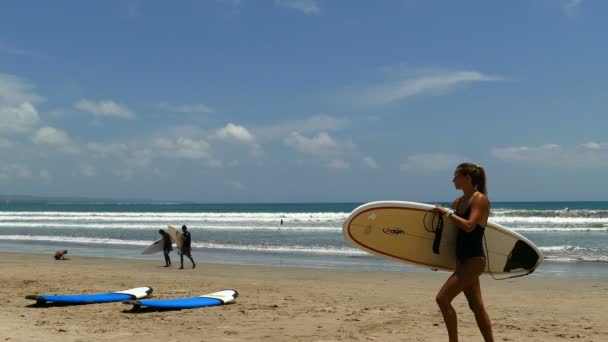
(211, 299)
(135, 293)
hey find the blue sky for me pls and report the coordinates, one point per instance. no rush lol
(303, 100)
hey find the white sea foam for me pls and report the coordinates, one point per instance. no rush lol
(146, 226)
(549, 220)
(155, 216)
(559, 229)
(345, 251)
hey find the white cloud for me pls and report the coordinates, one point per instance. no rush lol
(21, 118)
(15, 91)
(304, 6)
(193, 108)
(338, 164)
(232, 132)
(132, 155)
(408, 84)
(45, 176)
(433, 162)
(370, 162)
(570, 7)
(590, 154)
(105, 108)
(123, 174)
(594, 146)
(140, 157)
(239, 134)
(107, 150)
(320, 145)
(87, 170)
(235, 185)
(308, 125)
(17, 105)
(185, 148)
(10, 50)
(14, 171)
(214, 163)
(5, 143)
(51, 136)
(233, 3)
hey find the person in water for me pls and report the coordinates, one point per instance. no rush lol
(167, 248)
(60, 255)
(470, 214)
(186, 247)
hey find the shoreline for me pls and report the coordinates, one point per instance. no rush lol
(549, 269)
(286, 304)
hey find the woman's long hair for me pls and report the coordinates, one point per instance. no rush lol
(477, 173)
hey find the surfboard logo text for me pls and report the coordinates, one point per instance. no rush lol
(393, 231)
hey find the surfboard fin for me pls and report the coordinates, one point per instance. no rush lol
(136, 304)
(521, 256)
(39, 299)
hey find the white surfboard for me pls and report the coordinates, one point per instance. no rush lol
(154, 247)
(406, 232)
(176, 235)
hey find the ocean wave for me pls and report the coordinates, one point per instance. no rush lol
(599, 259)
(582, 213)
(191, 225)
(559, 229)
(549, 220)
(565, 248)
(151, 216)
(323, 250)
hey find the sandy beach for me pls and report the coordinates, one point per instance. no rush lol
(286, 304)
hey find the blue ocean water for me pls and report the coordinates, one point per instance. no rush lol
(572, 235)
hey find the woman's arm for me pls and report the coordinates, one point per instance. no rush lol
(480, 209)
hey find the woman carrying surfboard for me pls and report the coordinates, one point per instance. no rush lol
(470, 214)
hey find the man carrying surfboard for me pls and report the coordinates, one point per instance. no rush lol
(186, 247)
(470, 214)
(167, 248)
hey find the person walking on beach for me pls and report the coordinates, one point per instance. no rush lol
(167, 248)
(186, 247)
(470, 214)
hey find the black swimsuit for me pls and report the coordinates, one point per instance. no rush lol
(469, 244)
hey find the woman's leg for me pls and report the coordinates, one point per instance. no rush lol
(449, 290)
(460, 280)
(473, 294)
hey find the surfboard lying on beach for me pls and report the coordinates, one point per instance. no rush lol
(135, 293)
(212, 299)
(176, 235)
(408, 232)
(154, 247)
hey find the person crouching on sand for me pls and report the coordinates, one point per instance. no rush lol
(186, 247)
(166, 246)
(60, 255)
(470, 215)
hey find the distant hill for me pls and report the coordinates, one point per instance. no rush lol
(27, 199)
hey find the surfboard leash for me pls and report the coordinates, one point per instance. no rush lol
(437, 229)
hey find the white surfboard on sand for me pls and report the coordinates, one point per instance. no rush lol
(406, 232)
